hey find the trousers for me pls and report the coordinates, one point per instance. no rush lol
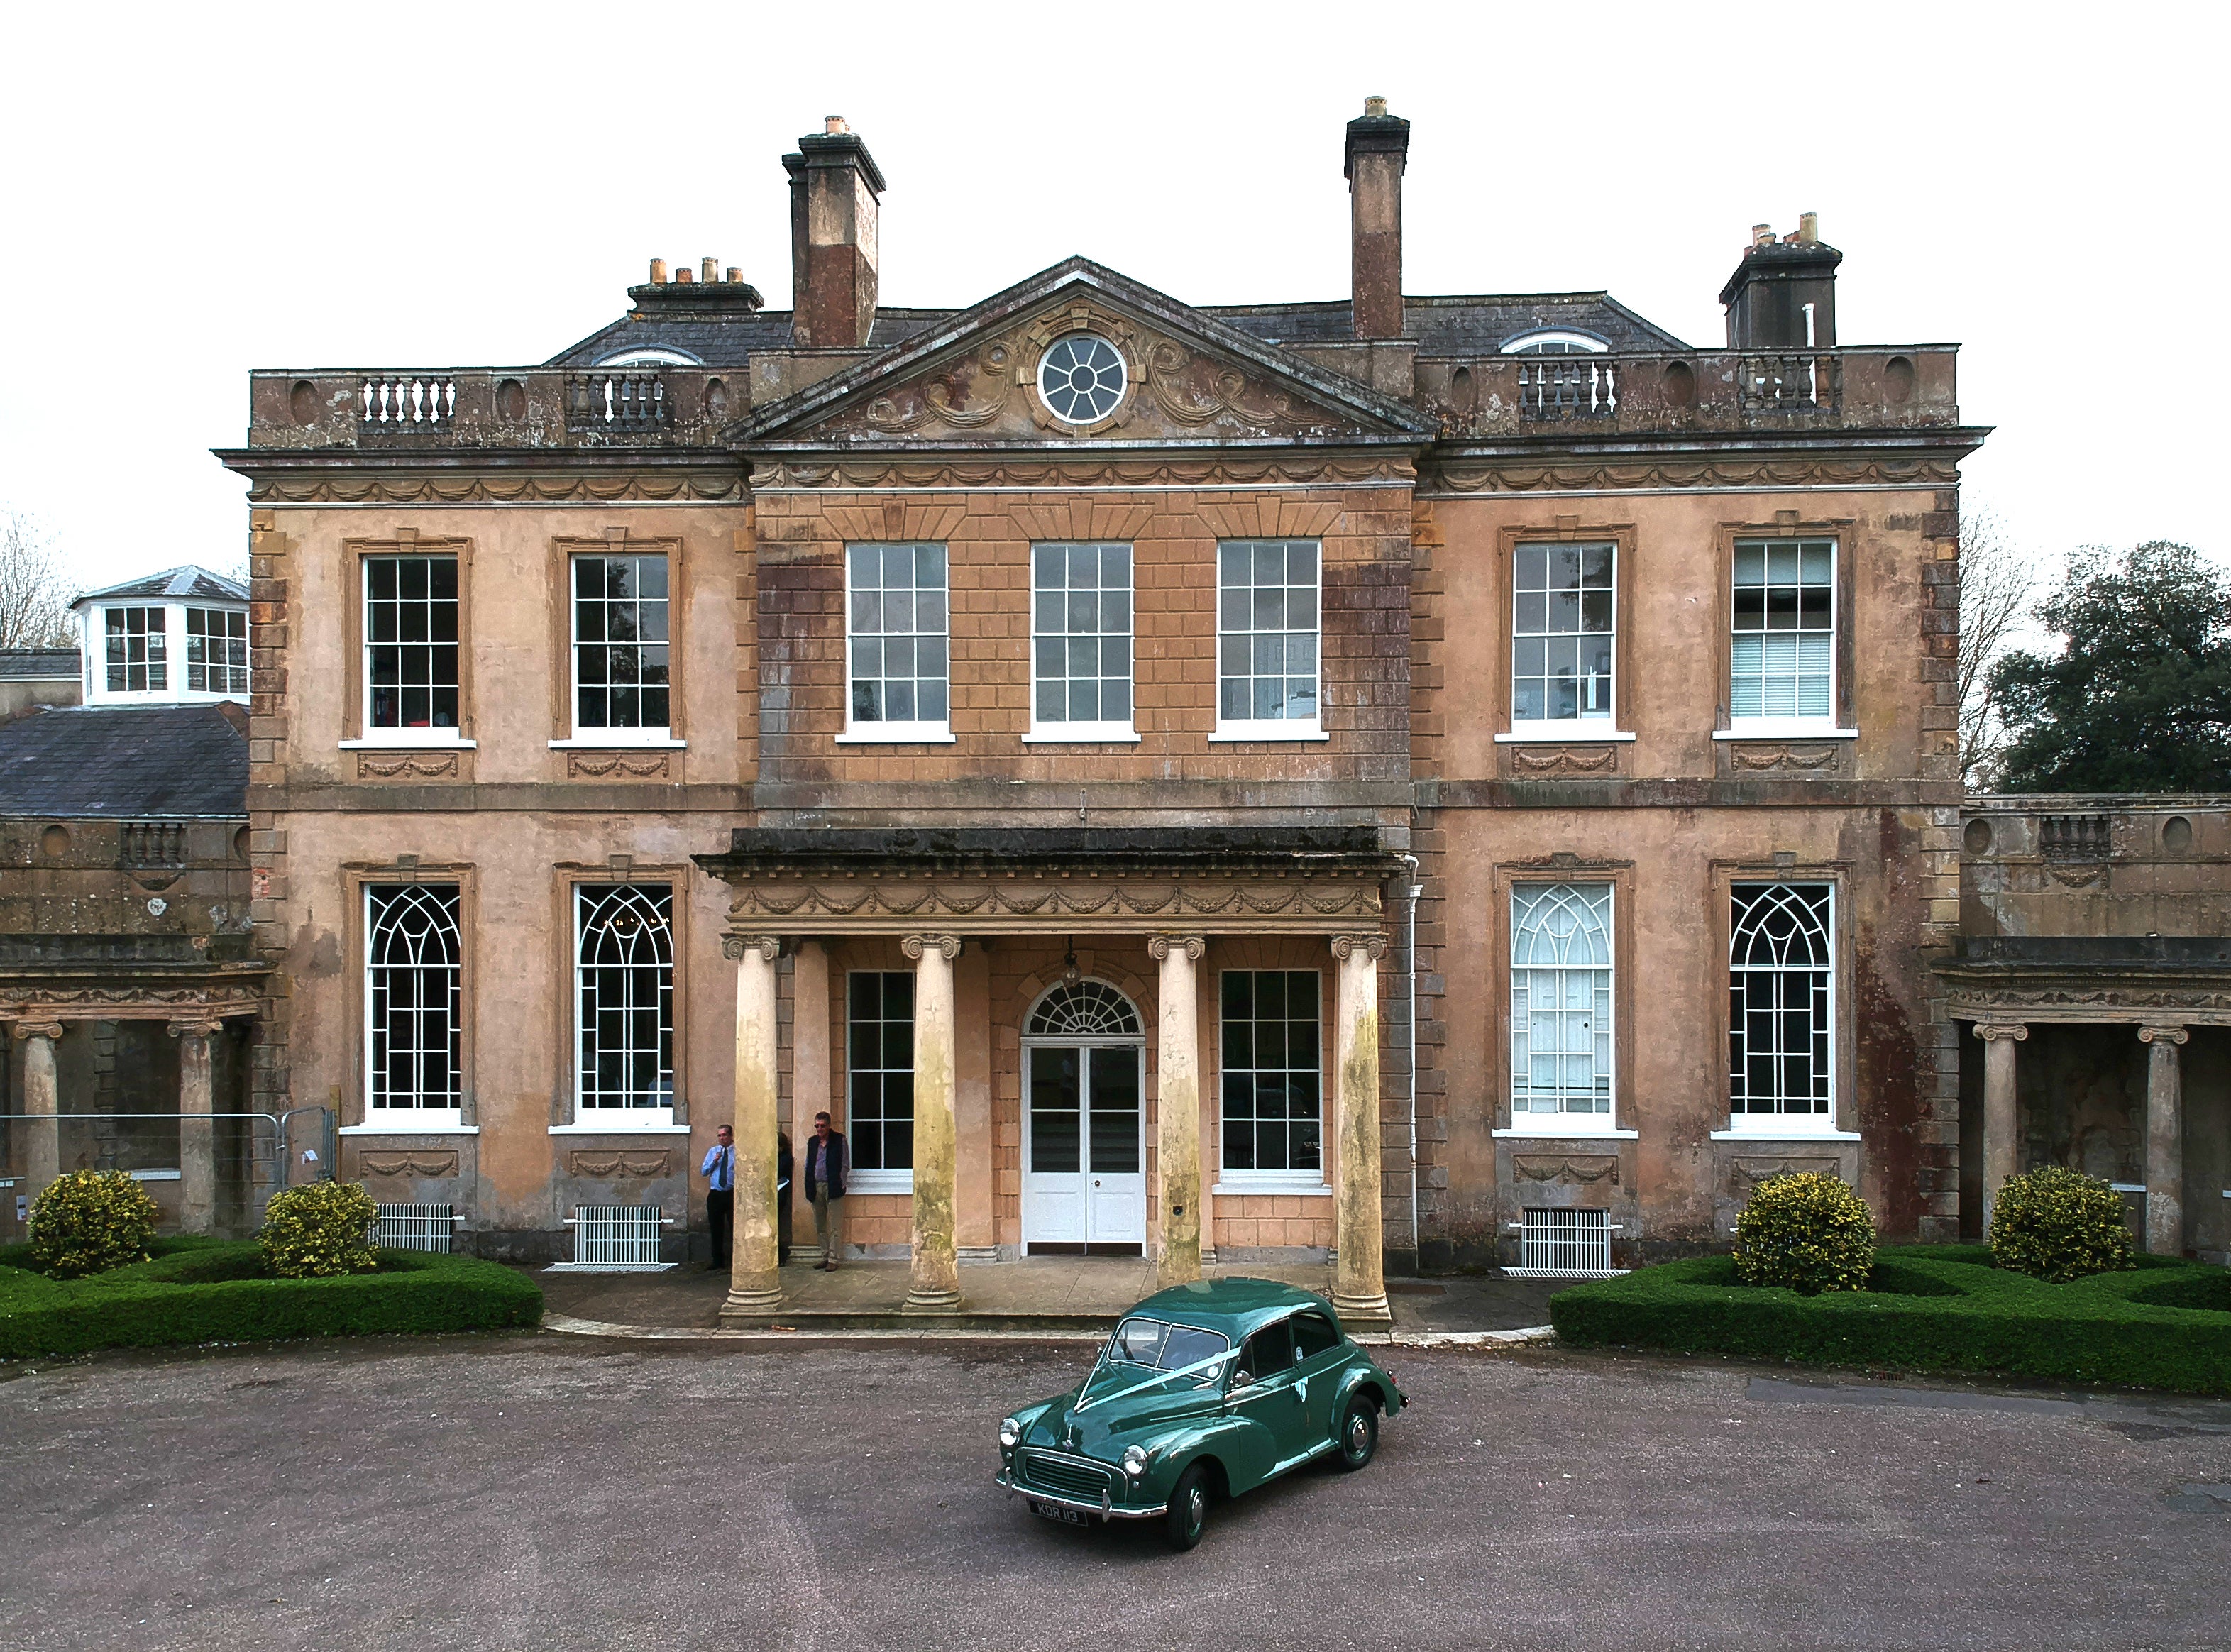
(721, 1219)
(828, 1223)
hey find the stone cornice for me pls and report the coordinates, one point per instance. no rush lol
(1916, 459)
(2196, 1001)
(1107, 905)
(1280, 464)
(595, 475)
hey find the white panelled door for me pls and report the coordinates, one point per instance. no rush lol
(1084, 1170)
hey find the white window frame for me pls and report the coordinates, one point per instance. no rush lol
(1101, 732)
(919, 732)
(1563, 1123)
(1788, 1126)
(856, 1179)
(158, 628)
(656, 736)
(1593, 730)
(375, 736)
(1287, 1184)
(622, 1120)
(1531, 343)
(1769, 728)
(1235, 728)
(409, 1120)
(186, 612)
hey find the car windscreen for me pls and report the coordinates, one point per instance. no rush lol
(1164, 1347)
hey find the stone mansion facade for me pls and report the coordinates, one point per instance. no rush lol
(1424, 781)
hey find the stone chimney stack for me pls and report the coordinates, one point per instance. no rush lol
(1782, 295)
(1378, 150)
(835, 192)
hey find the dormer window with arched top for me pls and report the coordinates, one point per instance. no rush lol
(1555, 342)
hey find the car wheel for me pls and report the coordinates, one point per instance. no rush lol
(1188, 1509)
(1359, 1434)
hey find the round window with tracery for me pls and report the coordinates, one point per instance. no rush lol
(1082, 379)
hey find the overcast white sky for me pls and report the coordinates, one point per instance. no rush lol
(194, 191)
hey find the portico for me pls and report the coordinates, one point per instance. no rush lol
(1081, 1006)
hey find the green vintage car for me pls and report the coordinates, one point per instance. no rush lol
(1204, 1390)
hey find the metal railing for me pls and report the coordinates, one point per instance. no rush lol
(1564, 1244)
(618, 1236)
(421, 1227)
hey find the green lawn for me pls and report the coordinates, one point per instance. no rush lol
(2165, 1324)
(196, 1291)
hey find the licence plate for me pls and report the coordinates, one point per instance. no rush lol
(1055, 1512)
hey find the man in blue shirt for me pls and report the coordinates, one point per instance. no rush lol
(718, 1170)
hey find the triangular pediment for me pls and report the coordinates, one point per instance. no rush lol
(1187, 379)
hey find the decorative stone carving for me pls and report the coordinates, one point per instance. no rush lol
(411, 1161)
(736, 947)
(623, 765)
(1560, 1167)
(1194, 391)
(1756, 1170)
(2163, 1035)
(1345, 946)
(1469, 475)
(555, 486)
(217, 1002)
(2090, 877)
(1193, 945)
(1079, 472)
(914, 945)
(2195, 1005)
(1803, 760)
(406, 765)
(1304, 905)
(1540, 763)
(598, 1165)
(36, 1029)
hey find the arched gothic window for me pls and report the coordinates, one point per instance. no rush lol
(1781, 1001)
(1561, 979)
(624, 962)
(1084, 1009)
(414, 980)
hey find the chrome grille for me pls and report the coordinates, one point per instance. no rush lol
(1067, 1478)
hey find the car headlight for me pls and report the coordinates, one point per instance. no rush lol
(1010, 1432)
(1135, 1461)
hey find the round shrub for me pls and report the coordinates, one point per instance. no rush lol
(2059, 1225)
(1807, 1233)
(319, 1231)
(89, 1222)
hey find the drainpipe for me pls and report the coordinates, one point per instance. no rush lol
(1410, 975)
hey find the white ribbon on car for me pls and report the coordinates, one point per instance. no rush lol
(1156, 1381)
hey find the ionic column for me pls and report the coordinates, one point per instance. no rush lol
(2001, 1157)
(197, 1135)
(42, 1152)
(935, 1285)
(2165, 1139)
(1177, 1108)
(754, 1280)
(1359, 1286)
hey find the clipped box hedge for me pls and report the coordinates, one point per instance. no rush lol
(2164, 1324)
(206, 1291)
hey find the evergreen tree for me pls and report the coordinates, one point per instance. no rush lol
(2139, 699)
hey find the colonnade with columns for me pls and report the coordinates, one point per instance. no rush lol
(2164, 1124)
(1359, 1290)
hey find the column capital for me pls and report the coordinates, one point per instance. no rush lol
(2162, 1035)
(1374, 946)
(769, 947)
(202, 1026)
(914, 945)
(37, 1029)
(1991, 1031)
(1192, 945)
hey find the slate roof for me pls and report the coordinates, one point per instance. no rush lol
(124, 762)
(22, 664)
(1442, 326)
(184, 581)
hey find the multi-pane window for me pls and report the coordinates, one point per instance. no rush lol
(1562, 626)
(1081, 636)
(138, 656)
(879, 1068)
(620, 643)
(414, 981)
(1781, 991)
(217, 651)
(624, 978)
(1561, 1025)
(1783, 663)
(897, 634)
(1266, 626)
(410, 642)
(1272, 1072)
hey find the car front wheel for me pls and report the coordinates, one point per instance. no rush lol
(1188, 1509)
(1358, 1433)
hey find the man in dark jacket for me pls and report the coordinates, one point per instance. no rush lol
(825, 1164)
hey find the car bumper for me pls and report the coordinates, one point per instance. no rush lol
(1107, 1508)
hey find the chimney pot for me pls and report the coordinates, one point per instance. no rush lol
(1782, 295)
(708, 271)
(835, 193)
(658, 272)
(682, 274)
(734, 274)
(833, 125)
(1378, 152)
(1761, 235)
(1808, 228)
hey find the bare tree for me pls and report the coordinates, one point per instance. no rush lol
(1995, 587)
(34, 594)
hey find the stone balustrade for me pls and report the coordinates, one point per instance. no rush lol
(494, 408)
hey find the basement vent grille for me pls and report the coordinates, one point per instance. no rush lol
(427, 1227)
(1564, 1244)
(617, 1236)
